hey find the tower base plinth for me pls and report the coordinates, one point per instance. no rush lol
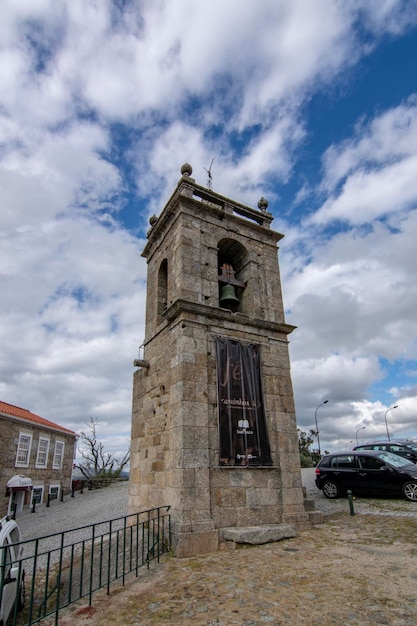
(195, 543)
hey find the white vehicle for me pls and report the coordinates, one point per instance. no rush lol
(12, 575)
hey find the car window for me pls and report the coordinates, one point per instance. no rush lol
(343, 461)
(15, 535)
(394, 459)
(370, 462)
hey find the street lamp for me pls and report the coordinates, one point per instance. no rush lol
(386, 423)
(363, 427)
(317, 428)
(351, 441)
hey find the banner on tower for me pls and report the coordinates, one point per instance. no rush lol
(242, 423)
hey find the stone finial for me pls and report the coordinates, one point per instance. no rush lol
(186, 169)
(263, 204)
(152, 220)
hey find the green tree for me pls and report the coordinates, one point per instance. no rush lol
(308, 456)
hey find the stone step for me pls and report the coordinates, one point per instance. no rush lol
(257, 535)
(309, 504)
(316, 517)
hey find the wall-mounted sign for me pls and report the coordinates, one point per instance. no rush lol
(242, 424)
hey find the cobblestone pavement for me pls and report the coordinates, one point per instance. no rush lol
(89, 507)
(104, 504)
(349, 571)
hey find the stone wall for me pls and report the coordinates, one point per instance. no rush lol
(175, 433)
(9, 438)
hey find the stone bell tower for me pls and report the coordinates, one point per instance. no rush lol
(213, 422)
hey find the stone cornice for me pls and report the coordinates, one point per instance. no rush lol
(190, 194)
(195, 308)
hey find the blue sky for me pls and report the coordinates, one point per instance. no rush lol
(312, 104)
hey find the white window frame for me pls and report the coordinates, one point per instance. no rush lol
(38, 464)
(23, 450)
(53, 488)
(40, 488)
(58, 457)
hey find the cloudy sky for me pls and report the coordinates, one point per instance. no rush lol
(310, 103)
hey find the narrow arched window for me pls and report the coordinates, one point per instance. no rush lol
(162, 295)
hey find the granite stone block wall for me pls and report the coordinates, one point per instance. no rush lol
(175, 432)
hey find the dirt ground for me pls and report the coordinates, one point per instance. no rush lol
(348, 571)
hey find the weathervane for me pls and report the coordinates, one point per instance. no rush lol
(210, 177)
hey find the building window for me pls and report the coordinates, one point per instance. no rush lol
(23, 450)
(54, 492)
(37, 495)
(58, 455)
(43, 449)
(162, 293)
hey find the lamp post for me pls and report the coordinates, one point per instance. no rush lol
(349, 442)
(386, 423)
(362, 428)
(317, 428)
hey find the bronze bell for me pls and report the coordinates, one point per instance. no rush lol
(228, 297)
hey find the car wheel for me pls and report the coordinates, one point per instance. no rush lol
(410, 491)
(330, 489)
(22, 595)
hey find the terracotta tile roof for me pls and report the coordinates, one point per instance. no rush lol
(27, 416)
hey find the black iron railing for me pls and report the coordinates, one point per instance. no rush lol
(60, 569)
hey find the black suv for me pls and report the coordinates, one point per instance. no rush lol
(403, 447)
(367, 472)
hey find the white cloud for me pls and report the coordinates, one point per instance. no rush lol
(375, 174)
(353, 292)
(63, 357)
(156, 55)
(44, 175)
(242, 178)
(354, 302)
(185, 81)
(387, 15)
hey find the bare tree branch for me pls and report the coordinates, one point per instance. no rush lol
(97, 462)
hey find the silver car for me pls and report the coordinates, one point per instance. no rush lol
(12, 575)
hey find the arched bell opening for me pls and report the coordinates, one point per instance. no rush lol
(231, 261)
